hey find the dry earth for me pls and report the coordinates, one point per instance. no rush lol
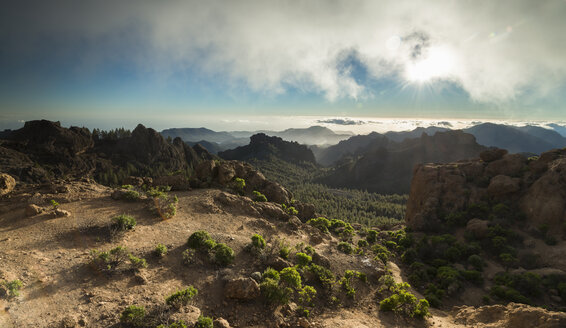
(51, 255)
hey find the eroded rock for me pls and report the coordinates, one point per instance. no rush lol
(242, 289)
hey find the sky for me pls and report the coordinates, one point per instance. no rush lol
(232, 64)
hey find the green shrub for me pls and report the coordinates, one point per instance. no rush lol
(291, 210)
(306, 295)
(199, 240)
(290, 277)
(123, 222)
(238, 185)
(550, 240)
(309, 250)
(131, 195)
(204, 322)
(273, 294)
(258, 242)
(136, 262)
(188, 256)
(109, 260)
(160, 250)
(303, 259)
(54, 204)
(322, 274)
(321, 223)
(181, 297)
(270, 273)
(472, 275)
(362, 243)
(133, 315)
(12, 287)
(347, 282)
(259, 197)
(176, 324)
(284, 252)
(372, 236)
(404, 302)
(223, 255)
(345, 247)
(476, 261)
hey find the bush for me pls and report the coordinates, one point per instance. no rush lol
(12, 287)
(347, 282)
(238, 185)
(133, 315)
(259, 197)
(321, 223)
(188, 256)
(345, 247)
(109, 260)
(137, 263)
(290, 277)
(476, 261)
(176, 324)
(284, 252)
(181, 297)
(404, 302)
(160, 250)
(258, 242)
(123, 222)
(362, 243)
(322, 274)
(303, 259)
(204, 322)
(223, 255)
(372, 236)
(54, 204)
(200, 240)
(131, 195)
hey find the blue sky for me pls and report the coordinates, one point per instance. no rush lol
(188, 63)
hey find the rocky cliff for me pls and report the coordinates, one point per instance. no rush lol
(536, 186)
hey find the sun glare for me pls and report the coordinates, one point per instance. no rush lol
(437, 64)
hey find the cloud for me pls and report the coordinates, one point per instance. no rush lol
(342, 121)
(502, 50)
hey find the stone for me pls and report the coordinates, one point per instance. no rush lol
(7, 184)
(178, 182)
(242, 289)
(221, 323)
(225, 173)
(133, 181)
(278, 263)
(256, 276)
(60, 213)
(32, 210)
(502, 185)
(511, 165)
(491, 155)
(205, 170)
(189, 314)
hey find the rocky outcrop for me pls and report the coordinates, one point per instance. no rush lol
(536, 187)
(386, 168)
(263, 147)
(7, 184)
(513, 315)
(242, 289)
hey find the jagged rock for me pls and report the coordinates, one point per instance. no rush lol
(176, 182)
(225, 173)
(272, 211)
(32, 210)
(491, 155)
(221, 323)
(242, 289)
(60, 213)
(322, 260)
(134, 181)
(256, 276)
(278, 263)
(7, 184)
(513, 315)
(502, 185)
(276, 193)
(189, 314)
(306, 211)
(478, 228)
(239, 203)
(510, 165)
(141, 278)
(206, 170)
(294, 223)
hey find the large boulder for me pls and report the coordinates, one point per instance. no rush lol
(7, 184)
(512, 165)
(491, 155)
(478, 228)
(242, 288)
(502, 185)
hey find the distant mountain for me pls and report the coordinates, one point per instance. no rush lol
(211, 147)
(527, 139)
(264, 147)
(314, 135)
(197, 134)
(558, 128)
(387, 168)
(416, 133)
(351, 147)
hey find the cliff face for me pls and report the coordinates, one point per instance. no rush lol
(387, 169)
(537, 187)
(43, 149)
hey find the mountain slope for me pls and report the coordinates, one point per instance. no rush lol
(263, 147)
(350, 147)
(197, 134)
(388, 170)
(515, 140)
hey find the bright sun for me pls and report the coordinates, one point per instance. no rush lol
(437, 64)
